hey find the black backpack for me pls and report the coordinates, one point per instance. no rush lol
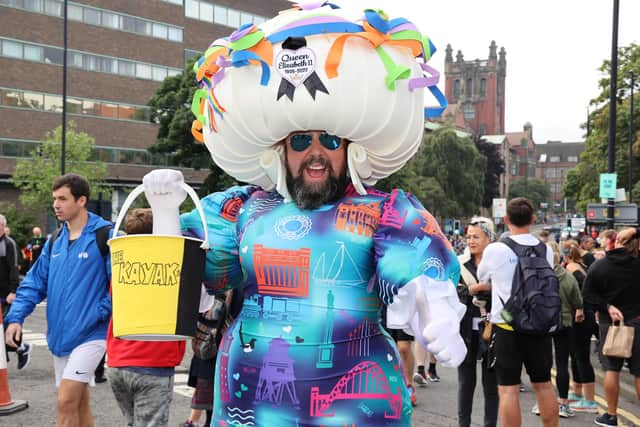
(534, 306)
(102, 235)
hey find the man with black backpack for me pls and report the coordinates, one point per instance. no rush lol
(72, 273)
(525, 311)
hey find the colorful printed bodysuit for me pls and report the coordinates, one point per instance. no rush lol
(308, 348)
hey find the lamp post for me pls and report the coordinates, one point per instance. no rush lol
(63, 140)
(613, 89)
(631, 139)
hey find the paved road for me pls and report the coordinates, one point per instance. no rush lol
(436, 402)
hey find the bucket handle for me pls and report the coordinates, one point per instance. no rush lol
(190, 191)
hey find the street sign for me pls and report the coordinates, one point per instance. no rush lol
(499, 208)
(624, 213)
(608, 183)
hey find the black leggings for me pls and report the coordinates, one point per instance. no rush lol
(581, 333)
(562, 346)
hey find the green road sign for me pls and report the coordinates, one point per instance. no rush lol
(608, 183)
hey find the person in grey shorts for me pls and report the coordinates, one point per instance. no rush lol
(141, 372)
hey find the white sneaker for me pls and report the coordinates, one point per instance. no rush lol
(535, 410)
(419, 380)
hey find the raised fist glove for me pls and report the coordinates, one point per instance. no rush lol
(165, 192)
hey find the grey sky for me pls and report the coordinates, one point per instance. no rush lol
(554, 48)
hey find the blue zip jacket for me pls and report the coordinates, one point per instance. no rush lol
(75, 281)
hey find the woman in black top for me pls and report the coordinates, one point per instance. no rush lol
(479, 234)
(612, 282)
(582, 399)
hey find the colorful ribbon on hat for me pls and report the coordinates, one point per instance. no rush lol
(249, 46)
(206, 69)
(245, 46)
(378, 30)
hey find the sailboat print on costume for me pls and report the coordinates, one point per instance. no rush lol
(342, 270)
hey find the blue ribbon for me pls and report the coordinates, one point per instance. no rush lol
(241, 59)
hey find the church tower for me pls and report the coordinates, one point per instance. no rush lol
(477, 88)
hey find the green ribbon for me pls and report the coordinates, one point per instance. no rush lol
(394, 71)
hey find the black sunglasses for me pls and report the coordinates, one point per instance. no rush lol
(301, 141)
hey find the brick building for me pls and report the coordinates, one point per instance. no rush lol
(477, 89)
(119, 51)
(554, 160)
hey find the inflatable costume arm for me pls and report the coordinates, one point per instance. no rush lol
(416, 275)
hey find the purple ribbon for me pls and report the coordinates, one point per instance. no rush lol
(425, 81)
(223, 63)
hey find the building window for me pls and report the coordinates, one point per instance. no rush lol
(74, 12)
(483, 87)
(554, 159)
(92, 16)
(53, 8)
(23, 99)
(217, 14)
(11, 49)
(469, 88)
(82, 60)
(456, 88)
(550, 173)
(100, 17)
(206, 12)
(572, 159)
(191, 9)
(143, 71)
(159, 31)
(188, 54)
(33, 5)
(175, 34)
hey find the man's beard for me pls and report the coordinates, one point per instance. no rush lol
(312, 196)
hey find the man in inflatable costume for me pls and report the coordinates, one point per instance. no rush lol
(310, 109)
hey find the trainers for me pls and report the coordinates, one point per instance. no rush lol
(24, 355)
(433, 377)
(100, 380)
(535, 410)
(188, 423)
(584, 405)
(412, 394)
(607, 420)
(420, 379)
(565, 411)
(574, 397)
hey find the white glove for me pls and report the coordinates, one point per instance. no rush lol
(164, 189)
(437, 320)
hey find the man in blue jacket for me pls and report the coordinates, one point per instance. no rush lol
(72, 274)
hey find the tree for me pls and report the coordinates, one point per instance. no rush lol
(34, 176)
(171, 109)
(582, 183)
(495, 168)
(21, 223)
(458, 167)
(533, 189)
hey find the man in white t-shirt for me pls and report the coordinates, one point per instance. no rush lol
(513, 349)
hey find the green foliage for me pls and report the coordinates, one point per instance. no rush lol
(171, 109)
(495, 168)
(458, 167)
(582, 183)
(34, 176)
(20, 222)
(533, 189)
(447, 175)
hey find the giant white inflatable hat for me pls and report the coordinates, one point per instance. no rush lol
(312, 68)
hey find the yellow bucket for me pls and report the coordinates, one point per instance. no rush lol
(156, 281)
